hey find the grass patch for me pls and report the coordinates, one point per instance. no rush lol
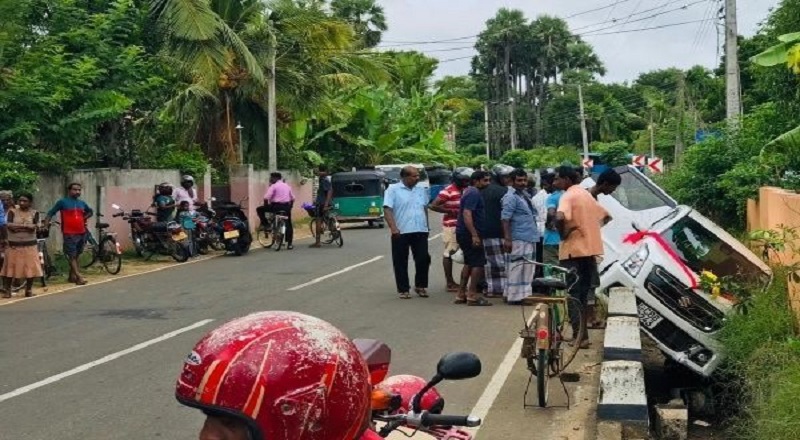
(763, 363)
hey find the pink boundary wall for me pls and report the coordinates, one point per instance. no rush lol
(133, 189)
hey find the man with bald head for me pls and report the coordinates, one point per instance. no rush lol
(405, 207)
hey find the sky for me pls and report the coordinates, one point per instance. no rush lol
(415, 23)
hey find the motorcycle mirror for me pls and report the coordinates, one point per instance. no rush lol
(452, 366)
(458, 366)
(115, 206)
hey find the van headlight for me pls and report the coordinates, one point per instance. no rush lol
(633, 265)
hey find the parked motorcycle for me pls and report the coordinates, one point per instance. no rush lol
(407, 401)
(150, 237)
(207, 235)
(234, 227)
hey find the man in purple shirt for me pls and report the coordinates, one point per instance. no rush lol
(279, 198)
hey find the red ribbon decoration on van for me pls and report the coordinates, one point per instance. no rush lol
(636, 237)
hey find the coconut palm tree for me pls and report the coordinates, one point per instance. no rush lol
(366, 16)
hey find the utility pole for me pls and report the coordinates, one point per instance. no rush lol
(513, 124)
(272, 148)
(652, 129)
(679, 128)
(584, 133)
(486, 129)
(733, 90)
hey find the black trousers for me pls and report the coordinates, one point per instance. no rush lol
(275, 208)
(585, 269)
(418, 244)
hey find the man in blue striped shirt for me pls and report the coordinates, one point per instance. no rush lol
(520, 234)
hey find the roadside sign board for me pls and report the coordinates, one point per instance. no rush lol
(656, 165)
(639, 161)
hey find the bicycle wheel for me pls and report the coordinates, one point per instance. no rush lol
(313, 227)
(542, 379)
(338, 239)
(278, 235)
(88, 257)
(262, 235)
(109, 255)
(568, 351)
(48, 267)
(17, 284)
(328, 231)
(179, 252)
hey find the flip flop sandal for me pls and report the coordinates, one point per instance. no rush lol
(29, 294)
(460, 301)
(479, 303)
(422, 293)
(405, 295)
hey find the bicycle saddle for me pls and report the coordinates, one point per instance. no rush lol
(102, 225)
(549, 283)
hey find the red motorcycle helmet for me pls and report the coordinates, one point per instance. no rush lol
(286, 375)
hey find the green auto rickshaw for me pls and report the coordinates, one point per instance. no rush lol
(358, 196)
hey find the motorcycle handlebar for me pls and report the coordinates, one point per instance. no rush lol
(429, 419)
(426, 420)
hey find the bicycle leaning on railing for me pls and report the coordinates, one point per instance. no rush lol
(547, 352)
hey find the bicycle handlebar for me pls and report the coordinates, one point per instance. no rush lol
(119, 214)
(526, 260)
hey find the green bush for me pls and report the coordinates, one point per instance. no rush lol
(15, 176)
(614, 154)
(763, 357)
(188, 161)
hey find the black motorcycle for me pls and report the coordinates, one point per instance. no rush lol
(150, 237)
(234, 227)
(207, 234)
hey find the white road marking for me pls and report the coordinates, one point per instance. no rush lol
(103, 360)
(492, 390)
(435, 237)
(338, 272)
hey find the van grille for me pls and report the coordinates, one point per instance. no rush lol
(683, 301)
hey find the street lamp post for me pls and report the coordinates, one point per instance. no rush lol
(240, 152)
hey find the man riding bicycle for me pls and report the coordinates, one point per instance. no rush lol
(278, 198)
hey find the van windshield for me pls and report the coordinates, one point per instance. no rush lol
(700, 249)
(637, 194)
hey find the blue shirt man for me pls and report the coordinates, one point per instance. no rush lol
(406, 210)
(518, 210)
(552, 240)
(408, 206)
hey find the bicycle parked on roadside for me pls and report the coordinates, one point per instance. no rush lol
(106, 250)
(331, 230)
(547, 352)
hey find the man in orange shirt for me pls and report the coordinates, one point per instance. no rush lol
(578, 220)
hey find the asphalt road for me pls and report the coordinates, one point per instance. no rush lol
(100, 362)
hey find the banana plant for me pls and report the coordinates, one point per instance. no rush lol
(786, 52)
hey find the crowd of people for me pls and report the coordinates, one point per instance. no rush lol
(20, 227)
(493, 222)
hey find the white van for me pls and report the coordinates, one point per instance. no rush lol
(393, 174)
(683, 321)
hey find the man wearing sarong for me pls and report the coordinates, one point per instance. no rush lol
(520, 235)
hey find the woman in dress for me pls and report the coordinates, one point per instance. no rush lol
(22, 254)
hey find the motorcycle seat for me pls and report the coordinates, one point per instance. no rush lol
(549, 283)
